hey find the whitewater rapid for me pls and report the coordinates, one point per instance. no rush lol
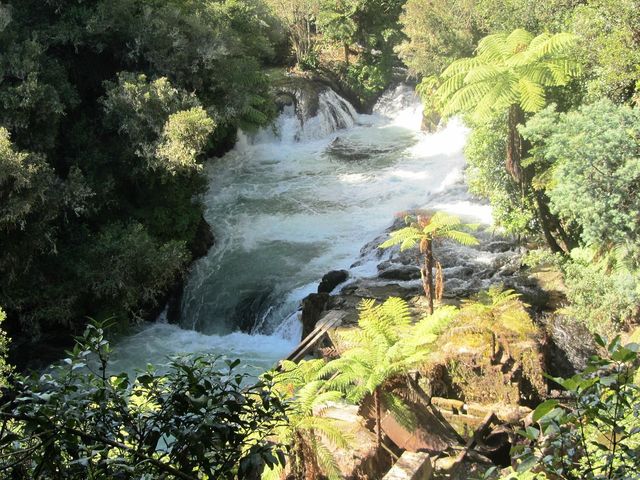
(289, 204)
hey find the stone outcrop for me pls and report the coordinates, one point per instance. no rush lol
(331, 280)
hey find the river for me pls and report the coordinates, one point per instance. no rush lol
(292, 202)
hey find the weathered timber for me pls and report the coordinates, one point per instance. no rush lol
(411, 466)
(330, 320)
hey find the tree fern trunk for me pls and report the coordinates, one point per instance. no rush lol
(376, 398)
(428, 274)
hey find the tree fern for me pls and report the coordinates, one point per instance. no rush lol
(307, 428)
(422, 230)
(384, 347)
(509, 68)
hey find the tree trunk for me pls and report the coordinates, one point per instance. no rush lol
(427, 274)
(346, 53)
(545, 222)
(376, 398)
(514, 144)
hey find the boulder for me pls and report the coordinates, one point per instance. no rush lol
(399, 272)
(202, 241)
(313, 305)
(360, 460)
(331, 280)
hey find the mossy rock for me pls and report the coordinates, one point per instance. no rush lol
(491, 353)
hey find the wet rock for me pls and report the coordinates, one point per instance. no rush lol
(303, 93)
(350, 151)
(174, 303)
(499, 246)
(430, 121)
(360, 459)
(313, 306)
(381, 291)
(202, 241)
(331, 280)
(399, 272)
(411, 466)
(250, 309)
(569, 345)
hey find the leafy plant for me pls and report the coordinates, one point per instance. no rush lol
(307, 428)
(509, 72)
(422, 230)
(595, 432)
(594, 170)
(197, 420)
(5, 368)
(384, 348)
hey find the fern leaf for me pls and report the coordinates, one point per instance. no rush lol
(462, 238)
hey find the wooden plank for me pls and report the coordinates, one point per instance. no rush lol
(480, 431)
(411, 466)
(330, 320)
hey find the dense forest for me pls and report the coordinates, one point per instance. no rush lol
(109, 112)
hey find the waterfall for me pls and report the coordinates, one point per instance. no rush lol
(333, 113)
(290, 203)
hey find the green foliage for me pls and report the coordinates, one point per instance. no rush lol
(423, 228)
(595, 434)
(368, 77)
(129, 267)
(200, 419)
(508, 69)
(594, 154)
(5, 368)
(487, 178)
(610, 46)
(497, 309)
(532, 15)
(386, 346)
(184, 137)
(603, 292)
(336, 20)
(107, 108)
(307, 429)
(166, 127)
(438, 32)
(26, 183)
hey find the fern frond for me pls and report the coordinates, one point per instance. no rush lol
(517, 41)
(327, 462)
(532, 96)
(463, 238)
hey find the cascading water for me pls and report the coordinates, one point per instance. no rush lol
(291, 203)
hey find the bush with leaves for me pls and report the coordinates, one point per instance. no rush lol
(487, 178)
(593, 155)
(593, 433)
(107, 109)
(603, 291)
(5, 368)
(200, 419)
(609, 46)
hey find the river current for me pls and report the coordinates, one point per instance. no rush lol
(289, 204)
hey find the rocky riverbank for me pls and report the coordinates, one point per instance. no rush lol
(487, 370)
